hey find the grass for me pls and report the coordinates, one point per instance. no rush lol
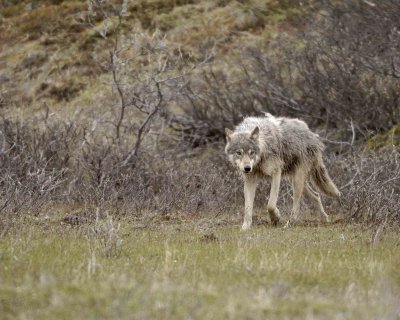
(105, 270)
(391, 138)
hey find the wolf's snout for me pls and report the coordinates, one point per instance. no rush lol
(247, 168)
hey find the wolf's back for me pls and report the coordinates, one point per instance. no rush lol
(265, 124)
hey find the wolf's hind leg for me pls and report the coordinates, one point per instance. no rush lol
(316, 199)
(298, 183)
(273, 198)
(250, 186)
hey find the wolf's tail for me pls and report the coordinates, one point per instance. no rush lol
(321, 178)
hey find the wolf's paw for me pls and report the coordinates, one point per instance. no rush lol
(275, 216)
(275, 221)
(291, 222)
(326, 218)
(287, 224)
(246, 226)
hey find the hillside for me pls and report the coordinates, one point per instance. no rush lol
(52, 52)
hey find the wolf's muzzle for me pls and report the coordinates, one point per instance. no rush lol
(247, 168)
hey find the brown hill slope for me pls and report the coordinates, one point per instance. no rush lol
(51, 50)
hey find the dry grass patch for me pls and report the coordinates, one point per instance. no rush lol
(50, 270)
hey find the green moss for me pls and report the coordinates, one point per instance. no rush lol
(184, 15)
(11, 11)
(387, 139)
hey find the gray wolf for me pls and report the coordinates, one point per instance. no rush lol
(272, 147)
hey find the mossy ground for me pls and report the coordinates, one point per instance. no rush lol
(50, 270)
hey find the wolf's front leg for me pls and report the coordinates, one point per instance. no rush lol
(273, 198)
(250, 186)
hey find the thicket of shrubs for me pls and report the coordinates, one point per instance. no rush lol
(55, 164)
(342, 77)
(342, 74)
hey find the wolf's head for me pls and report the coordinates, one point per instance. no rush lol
(243, 149)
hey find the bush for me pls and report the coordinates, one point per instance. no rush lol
(341, 74)
(60, 163)
(369, 182)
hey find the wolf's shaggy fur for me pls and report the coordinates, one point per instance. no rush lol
(272, 147)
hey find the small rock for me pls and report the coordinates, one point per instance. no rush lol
(74, 220)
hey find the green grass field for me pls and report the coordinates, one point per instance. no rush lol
(110, 270)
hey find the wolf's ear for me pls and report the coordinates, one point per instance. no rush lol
(228, 133)
(254, 133)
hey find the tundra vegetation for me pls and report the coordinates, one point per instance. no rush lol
(116, 199)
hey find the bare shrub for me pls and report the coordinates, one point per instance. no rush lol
(57, 162)
(35, 162)
(212, 102)
(59, 165)
(342, 74)
(369, 182)
(348, 70)
(163, 186)
(146, 72)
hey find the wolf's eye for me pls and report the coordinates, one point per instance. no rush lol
(251, 152)
(238, 153)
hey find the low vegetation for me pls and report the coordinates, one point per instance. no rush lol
(196, 269)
